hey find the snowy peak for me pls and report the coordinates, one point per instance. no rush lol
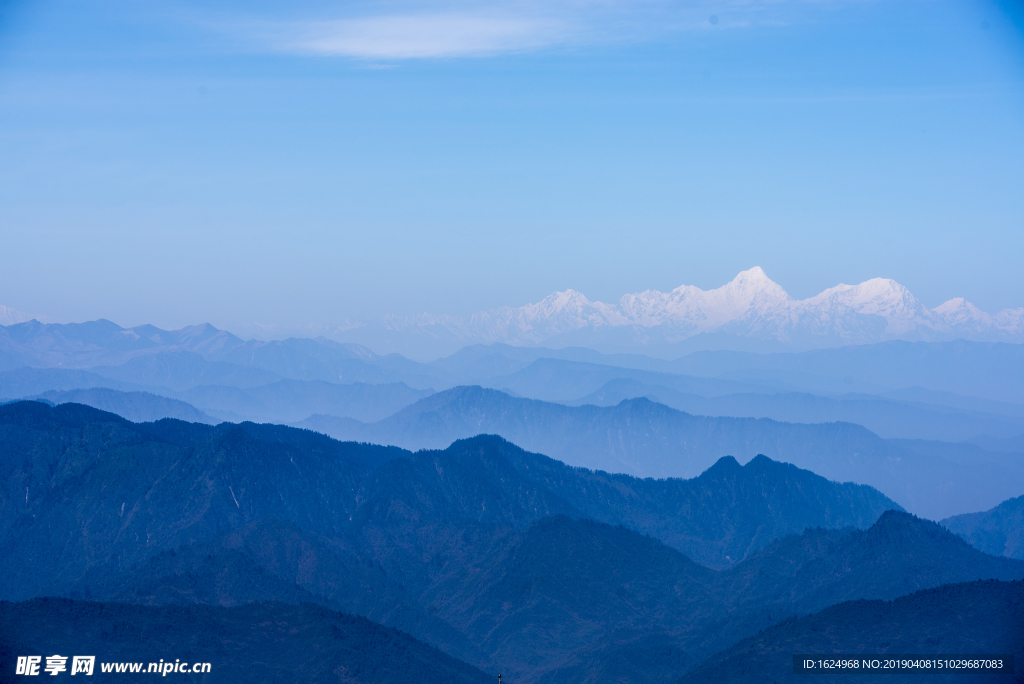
(751, 305)
(688, 306)
(882, 297)
(959, 310)
(753, 282)
(569, 302)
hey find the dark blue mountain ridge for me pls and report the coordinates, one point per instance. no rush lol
(274, 560)
(85, 487)
(716, 518)
(107, 488)
(479, 539)
(647, 439)
(574, 587)
(257, 642)
(893, 557)
(981, 617)
(564, 581)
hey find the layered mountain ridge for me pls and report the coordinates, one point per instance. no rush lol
(510, 561)
(647, 439)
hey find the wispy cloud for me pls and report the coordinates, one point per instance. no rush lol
(455, 28)
(412, 36)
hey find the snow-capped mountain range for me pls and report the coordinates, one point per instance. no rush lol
(751, 312)
(750, 307)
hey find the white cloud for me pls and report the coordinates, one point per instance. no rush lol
(425, 36)
(457, 28)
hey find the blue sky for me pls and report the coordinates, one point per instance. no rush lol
(294, 163)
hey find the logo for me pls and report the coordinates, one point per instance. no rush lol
(55, 664)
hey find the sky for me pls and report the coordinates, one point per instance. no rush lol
(285, 164)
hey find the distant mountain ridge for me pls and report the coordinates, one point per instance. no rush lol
(884, 418)
(176, 360)
(138, 407)
(999, 531)
(196, 351)
(751, 306)
(647, 439)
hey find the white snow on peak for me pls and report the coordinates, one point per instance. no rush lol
(750, 305)
(9, 316)
(690, 306)
(1010, 321)
(959, 309)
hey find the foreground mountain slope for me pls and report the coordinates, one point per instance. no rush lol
(257, 642)
(563, 598)
(683, 614)
(274, 560)
(972, 618)
(895, 556)
(561, 584)
(646, 439)
(999, 531)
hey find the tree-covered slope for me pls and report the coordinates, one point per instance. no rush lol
(569, 599)
(257, 642)
(985, 617)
